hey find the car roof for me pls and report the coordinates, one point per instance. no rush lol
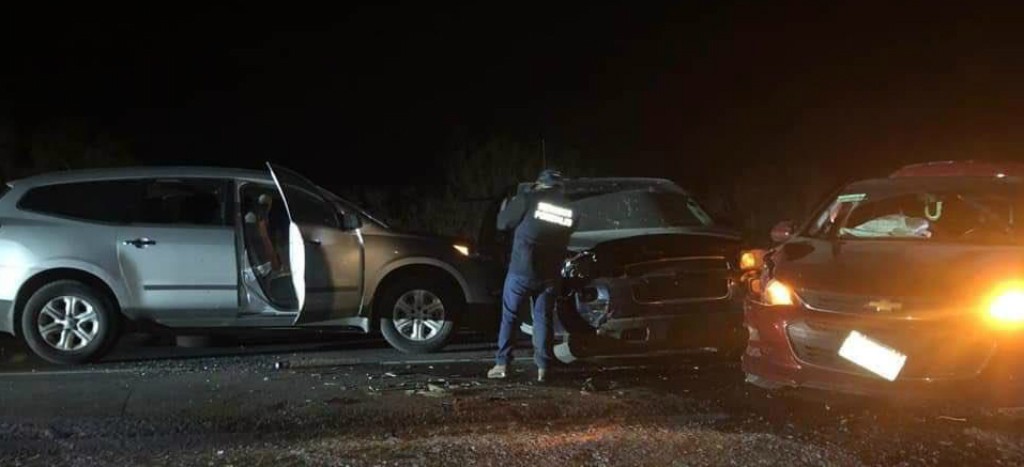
(881, 186)
(960, 168)
(142, 172)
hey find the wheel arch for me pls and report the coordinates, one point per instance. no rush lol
(40, 279)
(412, 269)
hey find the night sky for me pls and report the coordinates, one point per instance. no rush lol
(681, 90)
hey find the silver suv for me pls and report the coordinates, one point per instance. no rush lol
(83, 253)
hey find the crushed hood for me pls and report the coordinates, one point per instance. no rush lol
(848, 276)
(614, 250)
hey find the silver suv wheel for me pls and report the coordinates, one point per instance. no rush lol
(68, 323)
(418, 312)
(419, 315)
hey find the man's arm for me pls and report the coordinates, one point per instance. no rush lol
(512, 213)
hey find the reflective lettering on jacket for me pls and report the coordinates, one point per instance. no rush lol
(554, 214)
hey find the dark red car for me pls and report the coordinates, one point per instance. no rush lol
(894, 283)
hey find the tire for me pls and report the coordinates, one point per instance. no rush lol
(75, 343)
(410, 305)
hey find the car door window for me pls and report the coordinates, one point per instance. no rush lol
(110, 201)
(197, 202)
(826, 223)
(309, 209)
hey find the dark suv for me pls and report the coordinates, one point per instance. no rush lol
(648, 269)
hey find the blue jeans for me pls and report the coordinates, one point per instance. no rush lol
(519, 289)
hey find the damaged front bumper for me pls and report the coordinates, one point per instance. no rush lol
(623, 310)
(790, 346)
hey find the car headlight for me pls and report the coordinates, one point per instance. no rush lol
(1006, 307)
(777, 294)
(464, 249)
(751, 260)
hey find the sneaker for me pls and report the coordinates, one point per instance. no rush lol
(542, 375)
(498, 372)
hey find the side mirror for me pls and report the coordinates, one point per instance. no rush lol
(351, 221)
(782, 231)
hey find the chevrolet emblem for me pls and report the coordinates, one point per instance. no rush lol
(884, 306)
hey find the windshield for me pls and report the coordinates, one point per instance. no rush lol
(964, 215)
(638, 209)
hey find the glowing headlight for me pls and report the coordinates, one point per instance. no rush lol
(1007, 308)
(777, 293)
(751, 260)
(462, 249)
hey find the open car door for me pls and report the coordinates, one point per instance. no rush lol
(286, 182)
(325, 250)
(296, 244)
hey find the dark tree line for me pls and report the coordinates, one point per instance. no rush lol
(63, 144)
(472, 175)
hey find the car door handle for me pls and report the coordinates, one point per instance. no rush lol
(140, 242)
(314, 241)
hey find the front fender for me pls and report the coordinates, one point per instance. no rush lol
(419, 261)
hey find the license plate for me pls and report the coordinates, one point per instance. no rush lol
(872, 356)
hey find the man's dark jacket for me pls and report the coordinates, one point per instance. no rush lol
(543, 222)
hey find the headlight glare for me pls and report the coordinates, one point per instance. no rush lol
(751, 260)
(777, 294)
(1006, 309)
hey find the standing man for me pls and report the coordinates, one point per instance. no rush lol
(542, 222)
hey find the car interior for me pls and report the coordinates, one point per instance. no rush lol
(265, 236)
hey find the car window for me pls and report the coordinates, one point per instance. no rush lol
(263, 202)
(102, 201)
(183, 202)
(310, 209)
(345, 206)
(638, 209)
(939, 215)
(825, 224)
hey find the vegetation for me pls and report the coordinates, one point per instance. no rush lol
(473, 174)
(58, 145)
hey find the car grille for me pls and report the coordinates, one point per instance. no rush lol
(681, 279)
(939, 350)
(852, 303)
(678, 265)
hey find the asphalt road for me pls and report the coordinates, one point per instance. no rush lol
(330, 400)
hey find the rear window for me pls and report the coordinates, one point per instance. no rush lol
(102, 201)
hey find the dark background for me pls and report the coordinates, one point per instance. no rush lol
(758, 108)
